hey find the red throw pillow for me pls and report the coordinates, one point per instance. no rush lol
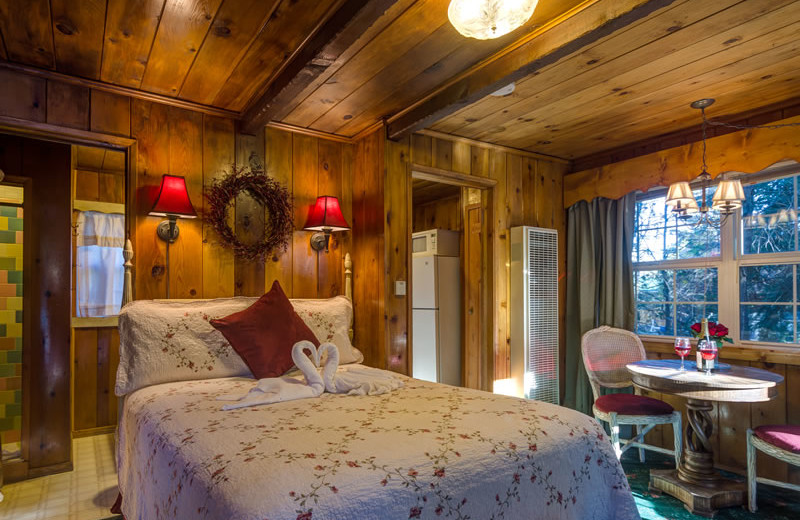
(264, 333)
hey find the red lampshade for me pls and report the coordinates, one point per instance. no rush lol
(326, 215)
(173, 198)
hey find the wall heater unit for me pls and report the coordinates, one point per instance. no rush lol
(533, 313)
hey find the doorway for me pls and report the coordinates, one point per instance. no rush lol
(456, 204)
(37, 323)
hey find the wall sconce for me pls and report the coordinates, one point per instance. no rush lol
(172, 202)
(325, 217)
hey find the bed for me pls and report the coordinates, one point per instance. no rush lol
(422, 451)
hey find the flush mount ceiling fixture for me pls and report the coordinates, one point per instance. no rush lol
(487, 19)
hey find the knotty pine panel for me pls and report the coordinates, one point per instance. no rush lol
(368, 249)
(305, 182)
(330, 173)
(396, 254)
(219, 151)
(68, 105)
(278, 265)
(248, 276)
(441, 214)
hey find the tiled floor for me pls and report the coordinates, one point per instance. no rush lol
(86, 493)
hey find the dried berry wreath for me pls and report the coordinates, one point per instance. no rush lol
(266, 191)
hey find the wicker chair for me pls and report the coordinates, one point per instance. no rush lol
(606, 351)
(781, 442)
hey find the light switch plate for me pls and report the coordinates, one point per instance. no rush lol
(400, 288)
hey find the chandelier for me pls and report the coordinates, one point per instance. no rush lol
(487, 19)
(728, 197)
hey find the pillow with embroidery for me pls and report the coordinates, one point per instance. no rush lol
(331, 319)
(164, 341)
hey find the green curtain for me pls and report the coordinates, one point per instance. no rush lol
(599, 282)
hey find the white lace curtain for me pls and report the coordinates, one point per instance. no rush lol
(99, 272)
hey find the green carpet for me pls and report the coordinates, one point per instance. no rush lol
(773, 503)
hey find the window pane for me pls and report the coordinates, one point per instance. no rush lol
(689, 314)
(651, 213)
(697, 241)
(762, 234)
(770, 323)
(654, 245)
(696, 285)
(766, 283)
(690, 293)
(654, 286)
(654, 318)
(769, 217)
(768, 197)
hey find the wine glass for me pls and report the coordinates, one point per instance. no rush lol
(708, 351)
(682, 347)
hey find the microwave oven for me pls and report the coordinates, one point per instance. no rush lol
(439, 242)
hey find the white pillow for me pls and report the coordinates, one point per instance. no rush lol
(164, 341)
(330, 320)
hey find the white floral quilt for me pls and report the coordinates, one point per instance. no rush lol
(424, 451)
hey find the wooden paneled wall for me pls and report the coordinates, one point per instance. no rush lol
(731, 420)
(368, 250)
(440, 214)
(528, 192)
(201, 148)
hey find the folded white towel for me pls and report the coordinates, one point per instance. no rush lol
(280, 389)
(354, 380)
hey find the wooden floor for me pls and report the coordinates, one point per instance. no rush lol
(86, 493)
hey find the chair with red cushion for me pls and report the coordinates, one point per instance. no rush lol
(606, 351)
(779, 441)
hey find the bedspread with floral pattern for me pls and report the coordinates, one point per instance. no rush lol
(424, 451)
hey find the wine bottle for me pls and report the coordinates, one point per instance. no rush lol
(702, 344)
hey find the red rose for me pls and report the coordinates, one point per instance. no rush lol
(712, 330)
(722, 331)
(696, 328)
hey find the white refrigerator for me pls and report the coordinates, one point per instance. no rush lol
(436, 318)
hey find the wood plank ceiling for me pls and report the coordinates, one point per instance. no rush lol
(638, 82)
(591, 75)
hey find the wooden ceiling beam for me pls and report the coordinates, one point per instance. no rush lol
(575, 30)
(342, 30)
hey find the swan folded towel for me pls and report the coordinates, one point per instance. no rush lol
(280, 389)
(356, 380)
(350, 380)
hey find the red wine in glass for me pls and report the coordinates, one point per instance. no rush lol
(708, 351)
(682, 348)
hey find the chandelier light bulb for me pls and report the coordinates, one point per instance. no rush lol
(487, 19)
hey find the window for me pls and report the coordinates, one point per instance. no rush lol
(745, 273)
(99, 272)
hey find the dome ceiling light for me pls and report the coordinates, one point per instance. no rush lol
(487, 19)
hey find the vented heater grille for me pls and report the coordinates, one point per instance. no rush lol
(534, 312)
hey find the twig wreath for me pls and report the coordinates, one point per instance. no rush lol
(266, 191)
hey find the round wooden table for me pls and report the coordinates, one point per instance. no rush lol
(696, 482)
